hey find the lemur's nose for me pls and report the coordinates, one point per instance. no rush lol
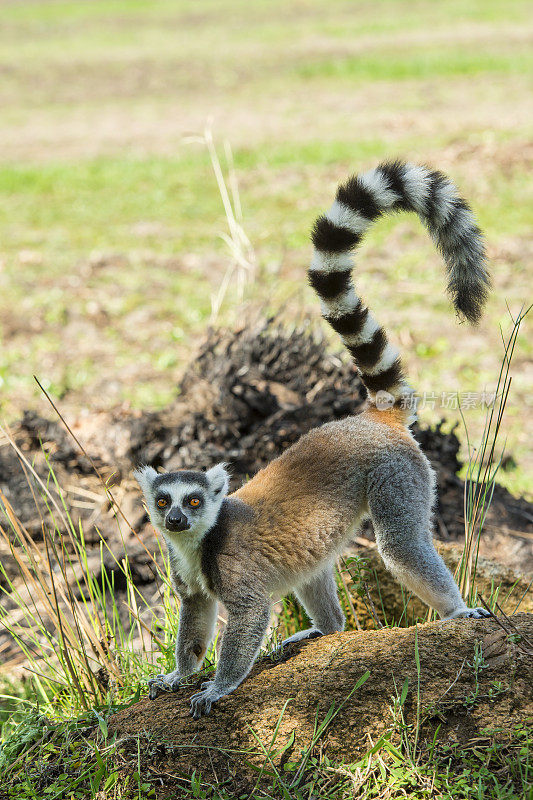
(176, 521)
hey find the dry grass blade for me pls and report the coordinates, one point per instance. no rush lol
(113, 502)
(510, 628)
(483, 467)
(347, 595)
(243, 264)
(49, 609)
(59, 613)
(46, 584)
(28, 466)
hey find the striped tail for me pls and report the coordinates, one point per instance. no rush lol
(362, 199)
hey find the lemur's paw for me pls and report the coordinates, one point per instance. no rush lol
(202, 701)
(476, 613)
(301, 636)
(160, 684)
(470, 613)
(280, 653)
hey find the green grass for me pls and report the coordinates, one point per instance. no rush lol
(409, 65)
(42, 757)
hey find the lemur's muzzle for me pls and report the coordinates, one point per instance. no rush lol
(176, 522)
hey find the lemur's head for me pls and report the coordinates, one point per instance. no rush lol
(184, 501)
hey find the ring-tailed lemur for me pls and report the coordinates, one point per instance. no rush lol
(284, 528)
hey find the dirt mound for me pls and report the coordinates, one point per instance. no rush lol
(472, 677)
(246, 395)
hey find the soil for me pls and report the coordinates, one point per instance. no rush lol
(386, 605)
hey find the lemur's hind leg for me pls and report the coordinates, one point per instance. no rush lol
(319, 598)
(400, 498)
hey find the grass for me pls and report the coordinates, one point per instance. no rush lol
(412, 66)
(483, 467)
(67, 759)
(84, 758)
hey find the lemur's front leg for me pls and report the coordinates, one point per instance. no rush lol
(247, 624)
(198, 615)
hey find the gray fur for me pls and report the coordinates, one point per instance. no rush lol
(319, 598)
(400, 495)
(248, 619)
(196, 628)
(198, 610)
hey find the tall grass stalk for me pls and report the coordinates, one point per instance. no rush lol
(62, 609)
(242, 268)
(483, 466)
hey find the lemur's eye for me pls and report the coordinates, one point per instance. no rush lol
(162, 502)
(194, 502)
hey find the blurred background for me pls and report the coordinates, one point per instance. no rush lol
(113, 244)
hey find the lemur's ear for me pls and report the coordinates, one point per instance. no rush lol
(145, 478)
(218, 478)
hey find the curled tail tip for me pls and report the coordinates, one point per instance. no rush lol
(469, 301)
(469, 283)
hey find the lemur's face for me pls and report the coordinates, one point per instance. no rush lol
(179, 502)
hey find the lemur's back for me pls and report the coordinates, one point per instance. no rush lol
(309, 501)
(330, 459)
